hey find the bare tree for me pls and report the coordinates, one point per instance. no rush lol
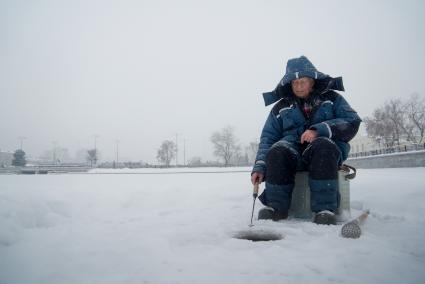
(396, 120)
(57, 155)
(166, 152)
(377, 127)
(394, 113)
(225, 144)
(92, 157)
(415, 112)
(251, 151)
(240, 159)
(387, 123)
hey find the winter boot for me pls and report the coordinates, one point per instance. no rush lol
(268, 213)
(325, 218)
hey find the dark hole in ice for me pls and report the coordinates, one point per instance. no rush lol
(258, 235)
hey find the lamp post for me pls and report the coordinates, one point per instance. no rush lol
(55, 145)
(177, 150)
(184, 152)
(21, 139)
(117, 142)
(95, 148)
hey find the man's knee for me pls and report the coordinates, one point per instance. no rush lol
(322, 147)
(323, 157)
(279, 153)
(324, 143)
(281, 164)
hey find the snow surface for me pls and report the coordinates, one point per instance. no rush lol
(178, 228)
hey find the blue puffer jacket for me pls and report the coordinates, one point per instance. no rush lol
(331, 116)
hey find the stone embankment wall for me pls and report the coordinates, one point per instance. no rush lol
(395, 160)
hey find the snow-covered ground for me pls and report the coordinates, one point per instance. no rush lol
(178, 228)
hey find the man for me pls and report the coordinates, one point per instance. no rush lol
(307, 129)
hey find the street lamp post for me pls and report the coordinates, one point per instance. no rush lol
(117, 145)
(184, 152)
(95, 148)
(21, 139)
(177, 151)
(55, 146)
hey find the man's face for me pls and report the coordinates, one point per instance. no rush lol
(302, 87)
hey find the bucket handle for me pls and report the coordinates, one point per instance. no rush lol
(347, 168)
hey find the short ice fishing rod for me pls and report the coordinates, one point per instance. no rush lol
(254, 195)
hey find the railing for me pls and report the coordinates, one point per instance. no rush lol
(44, 169)
(389, 150)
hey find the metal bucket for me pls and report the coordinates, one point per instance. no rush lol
(300, 204)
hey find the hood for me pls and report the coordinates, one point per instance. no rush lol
(297, 68)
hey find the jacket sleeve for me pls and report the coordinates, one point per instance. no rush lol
(272, 132)
(345, 124)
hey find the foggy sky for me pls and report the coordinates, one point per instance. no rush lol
(142, 71)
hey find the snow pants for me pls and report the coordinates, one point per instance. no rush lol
(321, 158)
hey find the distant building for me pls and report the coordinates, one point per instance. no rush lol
(363, 144)
(6, 159)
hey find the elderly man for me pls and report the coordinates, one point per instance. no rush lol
(307, 129)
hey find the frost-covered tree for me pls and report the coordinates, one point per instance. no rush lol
(377, 127)
(166, 152)
(387, 123)
(251, 151)
(415, 113)
(225, 144)
(397, 120)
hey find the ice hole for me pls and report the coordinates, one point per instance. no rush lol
(258, 235)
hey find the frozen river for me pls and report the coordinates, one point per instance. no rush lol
(178, 228)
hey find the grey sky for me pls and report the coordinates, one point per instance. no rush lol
(142, 71)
